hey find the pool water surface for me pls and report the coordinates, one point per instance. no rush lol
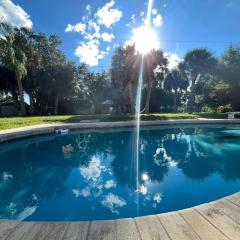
(91, 175)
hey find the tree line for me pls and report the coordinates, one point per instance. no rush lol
(200, 82)
(33, 64)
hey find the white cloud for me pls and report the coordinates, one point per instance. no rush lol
(107, 15)
(14, 14)
(128, 43)
(113, 202)
(143, 189)
(89, 53)
(173, 60)
(79, 27)
(133, 18)
(158, 20)
(110, 184)
(94, 169)
(157, 197)
(85, 192)
(76, 193)
(154, 11)
(89, 49)
(88, 8)
(107, 37)
(93, 26)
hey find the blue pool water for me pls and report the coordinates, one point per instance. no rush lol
(95, 177)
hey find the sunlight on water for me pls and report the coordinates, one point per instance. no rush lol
(137, 115)
(97, 180)
(138, 102)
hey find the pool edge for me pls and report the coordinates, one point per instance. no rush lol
(22, 132)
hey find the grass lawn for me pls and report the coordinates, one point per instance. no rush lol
(13, 122)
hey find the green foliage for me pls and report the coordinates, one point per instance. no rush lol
(229, 71)
(197, 64)
(208, 109)
(224, 108)
(34, 63)
(13, 58)
(6, 100)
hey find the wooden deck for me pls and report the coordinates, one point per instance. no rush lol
(218, 220)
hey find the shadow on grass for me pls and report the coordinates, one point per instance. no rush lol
(115, 118)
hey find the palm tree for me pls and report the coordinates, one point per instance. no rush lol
(124, 73)
(196, 64)
(28, 40)
(176, 83)
(13, 58)
(155, 67)
(132, 66)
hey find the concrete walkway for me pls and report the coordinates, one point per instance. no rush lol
(218, 220)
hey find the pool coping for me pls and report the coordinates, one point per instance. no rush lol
(22, 132)
(218, 219)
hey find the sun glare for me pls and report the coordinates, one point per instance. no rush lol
(145, 39)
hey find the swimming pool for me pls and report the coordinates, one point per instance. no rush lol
(90, 175)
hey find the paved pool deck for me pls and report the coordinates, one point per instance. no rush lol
(216, 220)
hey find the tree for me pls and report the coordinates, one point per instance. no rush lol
(155, 67)
(93, 87)
(48, 56)
(124, 73)
(62, 77)
(8, 83)
(176, 83)
(13, 58)
(28, 41)
(197, 64)
(118, 78)
(230, 72)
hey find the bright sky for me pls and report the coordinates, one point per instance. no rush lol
(90, 30)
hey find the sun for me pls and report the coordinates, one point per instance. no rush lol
(145, 39)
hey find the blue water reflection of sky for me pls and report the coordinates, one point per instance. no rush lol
(178, 168)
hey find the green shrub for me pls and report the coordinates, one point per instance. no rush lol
(208, 109)
(224, 108)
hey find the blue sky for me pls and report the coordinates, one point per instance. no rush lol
(91, 29)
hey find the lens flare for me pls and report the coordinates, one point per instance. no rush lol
(145, 39)
(145, 177)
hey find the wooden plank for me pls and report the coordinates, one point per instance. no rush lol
(235, 198)
(127, 229)
(76, 231)
(19, 231)
(104, 230)
(51, 231)
(31, 233)
(230, 209)
(220, 220)
(177, 227)
(6, 227)
(201, 226)
(151, 228)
